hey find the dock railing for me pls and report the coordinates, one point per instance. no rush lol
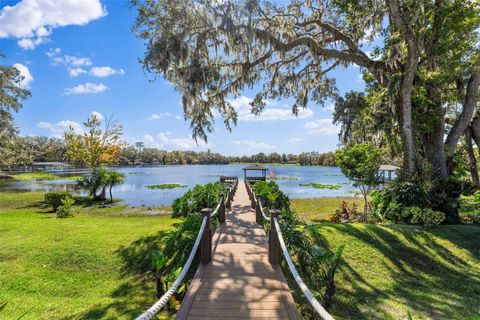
(203, 241)
(276, 246)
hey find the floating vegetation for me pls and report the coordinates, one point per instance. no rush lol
(332, 174)
(74, 178)
(282, 178)
(31, 176)
(321, 186)
(135, 172)
(165, 186)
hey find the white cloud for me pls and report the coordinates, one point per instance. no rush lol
(271, 112)
(87, 88)
(164, 140)
(25, 73)
(321, 127)
(74, 72)
(102, 72)
(253, 144)
(295, 140)
(98, 115)
(68, 60)
(178, 117)
(57, 129)
(158, 116)
(32, 21)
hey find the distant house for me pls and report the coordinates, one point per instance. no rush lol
(49, 166)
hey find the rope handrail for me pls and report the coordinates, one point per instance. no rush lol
(150, 313)
(215, 212)
(308, 294)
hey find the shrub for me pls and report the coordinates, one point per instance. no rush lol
(66, 209)
(345, 214)
(427, 217)
(272, 196)
(55, 198)
(471, 216)
(194, 200)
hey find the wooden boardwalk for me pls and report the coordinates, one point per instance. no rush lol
(239, 283)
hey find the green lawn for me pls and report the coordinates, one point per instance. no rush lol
(389, 269)
(90, 266)
(319, 209)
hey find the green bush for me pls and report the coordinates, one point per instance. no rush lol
(427, 217)
(272, 196)
(471, 216)
(55, 198)
(194, 200)
(66, 209)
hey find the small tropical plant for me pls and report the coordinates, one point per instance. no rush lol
(113, 178)
(66, 209)
(95, 183)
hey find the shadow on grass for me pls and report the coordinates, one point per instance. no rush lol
(419, 272)
(137, 293)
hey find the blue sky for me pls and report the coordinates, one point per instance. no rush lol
(81, 57)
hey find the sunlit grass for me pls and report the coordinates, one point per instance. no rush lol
(75, 268)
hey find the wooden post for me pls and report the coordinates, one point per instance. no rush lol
(206, 242)
(254, 201)
(273, 243)
(227, 199)
(221, 210)
(258, 211)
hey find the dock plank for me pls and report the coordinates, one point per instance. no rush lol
(239, 283)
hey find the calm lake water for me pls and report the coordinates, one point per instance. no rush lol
(134, 191)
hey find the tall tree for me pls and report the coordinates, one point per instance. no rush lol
(95, 147)
(11, 96)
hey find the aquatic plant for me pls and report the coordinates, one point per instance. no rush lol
(321, 185)
(165, 186)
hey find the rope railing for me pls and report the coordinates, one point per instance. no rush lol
(275, 239)
(150, 313)
(308, 294)
(205, 253)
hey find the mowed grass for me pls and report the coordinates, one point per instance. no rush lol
(85, 267)
(387, 270)
(319, 209)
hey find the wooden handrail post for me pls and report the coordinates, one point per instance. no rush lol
(227, 199)
(254, 201)
(273, 243)
(206, 242)
(221, 209)
(258, 210)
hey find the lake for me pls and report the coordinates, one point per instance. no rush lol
(133, 191)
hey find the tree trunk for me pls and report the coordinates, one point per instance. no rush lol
(110, 191)
(472, 160)
(434, 149)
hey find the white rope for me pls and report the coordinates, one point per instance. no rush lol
(308, 294)
(150, 313)
(214, 213)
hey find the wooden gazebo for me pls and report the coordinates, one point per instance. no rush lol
(256, 168)
(387, 172)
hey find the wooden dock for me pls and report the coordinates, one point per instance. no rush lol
(239, 283)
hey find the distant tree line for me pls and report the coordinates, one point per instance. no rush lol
(42, 149)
